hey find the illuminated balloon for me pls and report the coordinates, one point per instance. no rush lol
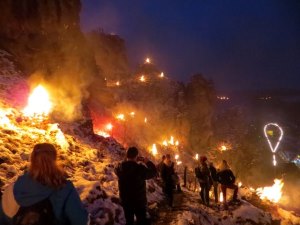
(271, 133)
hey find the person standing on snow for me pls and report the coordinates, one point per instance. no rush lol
(132, 178)
(168, 175)
(44, 186)
(213, 174)
(203, 175)
(227, 180)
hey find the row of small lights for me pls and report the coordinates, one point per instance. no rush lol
(142, 78)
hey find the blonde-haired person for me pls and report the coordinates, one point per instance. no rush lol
(227, 180)
(44, 181)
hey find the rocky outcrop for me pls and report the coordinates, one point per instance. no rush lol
(200, 98)
(171, 108)
(44, 37)
(110, 54)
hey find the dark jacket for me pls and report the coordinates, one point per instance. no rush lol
(66, 203)
(167, 173)
(213, 173)
(226, 177)
(132, 182)
(203, 174)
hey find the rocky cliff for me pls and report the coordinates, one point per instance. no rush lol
(110, 54)
(45, 40)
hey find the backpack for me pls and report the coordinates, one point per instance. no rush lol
(40, 213)
(198, 173)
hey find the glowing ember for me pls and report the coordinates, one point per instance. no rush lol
(109, 126)
(103, 133)
(120, 117)
(38, 103)
(154, 150)
(118, 83)
(240, 184)
(165, 143)
(272, 193)
(142, 78)
(176, 156)
(132, 114)
(274, 160)
(147, 60)
(161, 75)
(177, 143)
(145, 120)
(197, 156)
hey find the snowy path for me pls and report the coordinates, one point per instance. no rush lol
(188, 210)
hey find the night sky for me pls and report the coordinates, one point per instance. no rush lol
(239, 44)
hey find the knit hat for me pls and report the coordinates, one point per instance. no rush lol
(203, 158)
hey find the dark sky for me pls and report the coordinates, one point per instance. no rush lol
(239, 44)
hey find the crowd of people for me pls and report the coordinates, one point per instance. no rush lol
(45, 196)
(209, 176)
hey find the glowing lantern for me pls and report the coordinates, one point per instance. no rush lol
(109, 126)
(142, 78)
(272, 193)
(120, 117)
(154, 150)
(268, 132)
(39, 103)
(223, 148)
(221, 197)
(165, 143)
(171, 141)
(178, 163)
(147, 60)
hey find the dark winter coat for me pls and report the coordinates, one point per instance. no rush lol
(167, 174)
(66, 203)
(132, 182)
(213, 173)
(226, 177)
(203, 174)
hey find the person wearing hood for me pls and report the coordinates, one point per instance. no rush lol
(132, 178)
(45, 181)
(227, 180)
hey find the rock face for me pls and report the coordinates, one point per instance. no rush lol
(110, 54)
(171, 108)
(200, 98)
(44, 37)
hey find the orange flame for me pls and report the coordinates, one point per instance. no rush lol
(39, 103)
(154, 150)
(272, 193)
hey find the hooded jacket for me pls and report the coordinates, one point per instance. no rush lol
(66, 204)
